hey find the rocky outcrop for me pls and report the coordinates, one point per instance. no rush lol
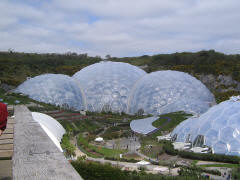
(6, 87)
(220, 83)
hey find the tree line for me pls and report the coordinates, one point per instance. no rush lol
(16, 66)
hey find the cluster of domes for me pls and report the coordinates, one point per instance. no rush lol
(219, 126)
(121, 87)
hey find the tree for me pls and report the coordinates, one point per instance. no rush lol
(108, 56)
(140, 112)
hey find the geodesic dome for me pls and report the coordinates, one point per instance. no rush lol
(51, 126)
(54, 89)
(169, 91)
(107, 85)
(220, 127)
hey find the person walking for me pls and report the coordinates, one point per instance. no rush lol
(3, 117)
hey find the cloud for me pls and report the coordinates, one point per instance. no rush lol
(120, 28)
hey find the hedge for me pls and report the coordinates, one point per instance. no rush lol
(168, 148)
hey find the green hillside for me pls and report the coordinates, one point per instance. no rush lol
(16, 67)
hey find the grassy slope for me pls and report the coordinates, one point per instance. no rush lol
(176, 118)
(105, 152)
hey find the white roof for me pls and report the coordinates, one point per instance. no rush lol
(51, 126)
(158, 168)
(99, 139)
(143, 162)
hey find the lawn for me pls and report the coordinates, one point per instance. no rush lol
(176, 118)
(221, 165)
(100, 151)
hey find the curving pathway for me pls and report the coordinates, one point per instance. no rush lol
(164, 124)
(144, 126)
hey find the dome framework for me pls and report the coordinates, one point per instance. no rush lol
(121, 87)
(169, 91)
(57, 89)
(220, 127)
(107, 85)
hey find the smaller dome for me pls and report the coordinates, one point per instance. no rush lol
(169, 91)
(220, 126)
(54, 89)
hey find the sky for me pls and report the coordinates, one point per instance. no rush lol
(119, 27)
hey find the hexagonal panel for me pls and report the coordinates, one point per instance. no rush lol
(108, 84)
(54, 89)
(170, 91)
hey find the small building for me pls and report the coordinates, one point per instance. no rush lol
(166, 137)
(99, 139)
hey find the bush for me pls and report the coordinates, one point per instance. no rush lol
(121, 159)
(168, 148)
(194, 170)
(93, 171)
(67, 146)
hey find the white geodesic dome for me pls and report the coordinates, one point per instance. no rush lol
(51, 126)
(107, 85)
(54, 89)
(220, 126)
(169, 91)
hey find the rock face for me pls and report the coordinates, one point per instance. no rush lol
(220, 83)
(6, 87)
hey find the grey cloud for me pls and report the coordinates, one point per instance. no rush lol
(122, 28)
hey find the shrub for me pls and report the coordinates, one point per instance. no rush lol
(168, 148)
(121, 159)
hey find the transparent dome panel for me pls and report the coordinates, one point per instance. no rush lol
(107, 85)
(220, 126)
(170, 91)
(56, 89)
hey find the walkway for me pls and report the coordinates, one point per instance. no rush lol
(35, 155)
(164, 124)
(143, 126)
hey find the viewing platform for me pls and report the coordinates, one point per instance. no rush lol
(26, 151)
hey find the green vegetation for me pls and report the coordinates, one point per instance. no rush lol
(16, 67)
(225, 95)
(168, 148)
(204, 62)
(97, 151)
(116, 132)
(5, 158)
(236, 173)
(195, 171)
(67, 146)
(15, 98)
(156, 148)
(93, 171)
(11, 98)
(220, 165)
(121, 159)
(176, 118)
